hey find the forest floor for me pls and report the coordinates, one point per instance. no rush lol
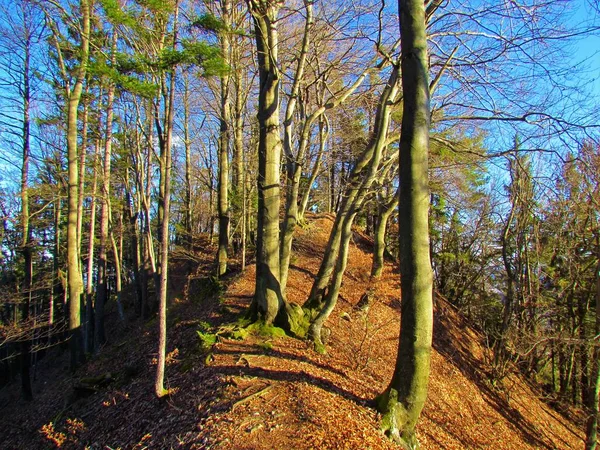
(277, 393)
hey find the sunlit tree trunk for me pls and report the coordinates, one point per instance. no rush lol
(102, 281)
(89, 289)
(165, 182)
(385, 211)
(224, 140)
(75, 282)
(268, 300)
(25, 225)
(403, 400)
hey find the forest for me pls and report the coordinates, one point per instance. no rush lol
(386, 194)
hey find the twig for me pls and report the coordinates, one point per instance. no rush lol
(251, 396)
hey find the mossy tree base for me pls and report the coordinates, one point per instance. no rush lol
(396, 422)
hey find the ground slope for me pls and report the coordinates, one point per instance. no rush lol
(265, 392)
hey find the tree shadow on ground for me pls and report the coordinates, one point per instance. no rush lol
(273, 353)
(292, 377)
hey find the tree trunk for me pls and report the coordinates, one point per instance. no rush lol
(166, 162)
(75, 282)
(26, 391)
(323, 136)
(268, 300)
(102, 281)
(405, 397)
(89, 310)
(224, 139)
(385, 211)
(360, 181)
(294, 161)
(188, 165)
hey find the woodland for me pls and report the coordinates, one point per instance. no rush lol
(299, 224)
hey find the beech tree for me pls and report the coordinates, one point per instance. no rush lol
(268, 304)
(405, 397)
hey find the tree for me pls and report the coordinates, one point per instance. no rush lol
(268, 304)
(405, 397)
(72, 92)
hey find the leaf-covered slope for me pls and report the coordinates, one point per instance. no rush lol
(265, 392)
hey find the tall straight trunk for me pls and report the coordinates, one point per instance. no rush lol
(405, 397)
(188, 163)
(25, 226)
(82, 163)
(75, 282)
(118, 255)
(238, 170)
(55, 259)
(103, 245)
(89, 289)
(166, 162)
(224, 140)
(269, 304)
(268, 300)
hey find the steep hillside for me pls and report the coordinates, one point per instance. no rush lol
(265, 392)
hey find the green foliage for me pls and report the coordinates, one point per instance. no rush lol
(116, 14)
(209, 22)
(207, 340)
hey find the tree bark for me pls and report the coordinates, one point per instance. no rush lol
(102, 280)
(89, 310)
(165, 182)
(268, 300)
(75, 282)
(385, 211)
(224, 140)
(26, 391)
(405, 397)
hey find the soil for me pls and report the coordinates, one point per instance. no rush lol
(277, 393)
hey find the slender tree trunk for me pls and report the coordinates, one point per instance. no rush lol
(188, 163)
(25, 228)
(323, 136)
(75, 282)
(55, 259)
(294, 161)
(224, 140)
(166, 162)
(405, 397)
(102, 282)
(239, 172)
(385, 211)
(332, 295)
(89, 303)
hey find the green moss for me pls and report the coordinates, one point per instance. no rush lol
(298, 321)
(320, 348)
(267, 346)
